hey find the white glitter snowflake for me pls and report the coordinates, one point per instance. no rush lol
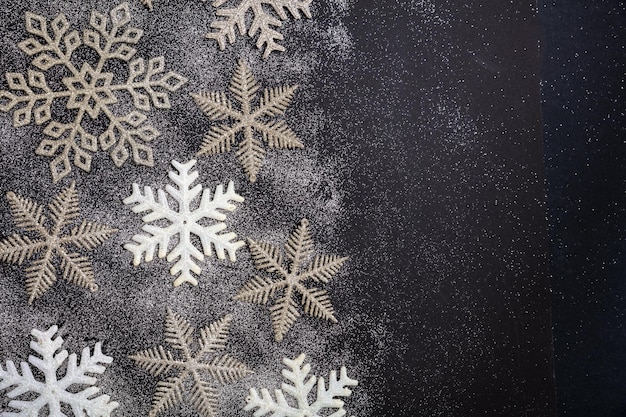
(54, 390)
(301, 392)
(231, 19)
(89, 90)
(184, 222)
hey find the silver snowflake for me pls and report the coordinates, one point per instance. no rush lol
(266, 18)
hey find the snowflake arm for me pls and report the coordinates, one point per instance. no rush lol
(316, 303)
(64, 208)
(324, 268)
(284, 314)
(336, 388)
(27, 214)
(259, 290)
(300, 389)
(40, 276)
(77, 269)
(21, 383)
(16, 249)
(233, 19)
(274, 101)
(278, 135)
(211, 208)
(299, 246)
(157, 237)
(178, 332)
(185, 222)
(155, 360)
(214, 337)
(53, 391)
(168, 394)
(89, 235)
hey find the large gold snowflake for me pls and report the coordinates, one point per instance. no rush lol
(246, 121)
(192, 367)
(89, 90)
(291, 280)
(52, 242)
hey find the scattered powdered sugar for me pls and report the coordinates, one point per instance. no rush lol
(429, 11)
(340, 41)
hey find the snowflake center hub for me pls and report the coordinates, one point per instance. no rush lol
(193, 364)
(293, 279)
(90, 90)
(247, 120)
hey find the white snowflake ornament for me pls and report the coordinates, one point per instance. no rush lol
(185, 221)
(54, 391)
(300, 391)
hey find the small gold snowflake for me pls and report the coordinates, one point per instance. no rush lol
(291, 280)
(193, 367)
(52, 243)
(247, 121)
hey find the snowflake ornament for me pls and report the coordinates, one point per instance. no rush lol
(247, 120)
(300, 390)
(231, 19)
(88, 91)
(54, 391)
(52, 243)
(185, 221)
(291, 280)
(193, 367)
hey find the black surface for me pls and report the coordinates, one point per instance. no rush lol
(463, 229)
(585, 133)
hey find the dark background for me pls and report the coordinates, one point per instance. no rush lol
(462, 216)
(585, 132)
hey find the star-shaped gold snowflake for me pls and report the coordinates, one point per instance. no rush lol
(246, 121)
(291, 281)
(193, 367)
(52, 243)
